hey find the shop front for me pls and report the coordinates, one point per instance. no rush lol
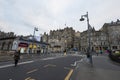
(32, 48)
(23, 47)
(27, 46)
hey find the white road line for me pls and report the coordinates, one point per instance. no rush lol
(25, 62)
(75, 63)
(4, 66)
(32, 71)
(52, 58)
(49, 58)
(9, 65)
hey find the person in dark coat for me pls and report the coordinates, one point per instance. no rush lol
(16, 57)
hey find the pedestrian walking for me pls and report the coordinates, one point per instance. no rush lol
(16, 57)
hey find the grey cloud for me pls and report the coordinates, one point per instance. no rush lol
(43, 14)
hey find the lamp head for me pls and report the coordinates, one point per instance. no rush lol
(82, 19)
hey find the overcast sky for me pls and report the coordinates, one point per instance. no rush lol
(21, 16)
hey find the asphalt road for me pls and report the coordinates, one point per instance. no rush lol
(51, 68)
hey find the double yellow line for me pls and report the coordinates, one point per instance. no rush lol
(29, 78)
(69, 74)
(50, 65)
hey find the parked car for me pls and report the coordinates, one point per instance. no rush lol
(115, 56)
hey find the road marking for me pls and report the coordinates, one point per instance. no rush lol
(31, 71)
(9, 65)
(69, 74)
(25, 62)
(29, 78)
(52, 65)
(4, 66)
(49, 58)
(67, 68)
(75, 63)
(46, 65)
(49, 65)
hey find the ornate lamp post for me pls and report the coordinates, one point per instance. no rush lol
(89, 55)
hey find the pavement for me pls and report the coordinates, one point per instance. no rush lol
(102, 69)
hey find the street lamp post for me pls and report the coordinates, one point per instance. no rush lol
(35, 29)
(88, 49)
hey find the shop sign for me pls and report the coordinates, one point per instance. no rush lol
(23, 45)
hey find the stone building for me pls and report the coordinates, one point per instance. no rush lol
(107, 37)
(61, 40)
(6, 41)
(9, 42)
(54, 39)
(44, 37)
(77, 41)
(83, 41)
(98, 41)
(68, 37)
(112, 31)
